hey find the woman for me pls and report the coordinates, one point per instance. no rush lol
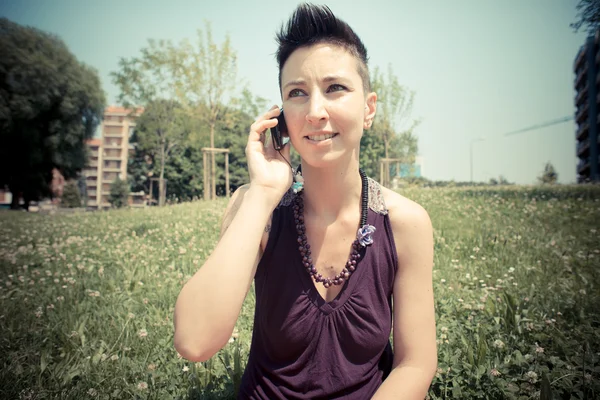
(323, 292)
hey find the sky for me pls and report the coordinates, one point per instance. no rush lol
(479, 68)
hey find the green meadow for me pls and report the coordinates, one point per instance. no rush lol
(87, 299)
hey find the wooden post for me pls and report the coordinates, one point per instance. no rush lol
(209, 182)
(205, 180)
(227, 174)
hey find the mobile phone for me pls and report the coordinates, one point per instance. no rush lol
(279, 133)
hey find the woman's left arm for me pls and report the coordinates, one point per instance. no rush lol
(415, 350)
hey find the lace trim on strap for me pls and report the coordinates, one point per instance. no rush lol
(376, 201)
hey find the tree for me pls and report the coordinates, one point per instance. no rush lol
(201, 78)
(50, 103)
(394, 106)
(205, 76)
(392, 134)
(160, 131)
(549, 176)
(588, 16)
(119, 193)
(71, 197)
(184, 168)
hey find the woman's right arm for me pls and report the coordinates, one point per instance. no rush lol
(209, 303)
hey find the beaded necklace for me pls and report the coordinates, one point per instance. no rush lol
(363, 238)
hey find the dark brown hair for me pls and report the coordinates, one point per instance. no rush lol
(313, 24)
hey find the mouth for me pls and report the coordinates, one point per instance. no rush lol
(321, 137)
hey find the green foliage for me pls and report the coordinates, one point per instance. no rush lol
(71, 197)
(50, 104)
(372, 150)
(119, 193)
(549, 176)
(201, 77)
(515, 282)
(588, 16)
(162, 131)
(393, 122)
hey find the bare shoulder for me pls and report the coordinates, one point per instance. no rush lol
(412, 230)
(404, 212)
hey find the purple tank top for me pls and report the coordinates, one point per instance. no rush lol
(305, 348)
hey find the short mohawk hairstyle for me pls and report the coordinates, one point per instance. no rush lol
(312, 24)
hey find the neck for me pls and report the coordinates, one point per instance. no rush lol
(330, 192)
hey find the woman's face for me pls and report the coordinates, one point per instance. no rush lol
(324, 103)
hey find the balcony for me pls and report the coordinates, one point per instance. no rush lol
(112, 169)
(582, 131)
(579, 59)
(112, 134)
(583, 166)
(583, 149)
(581, 114)
(112, 122)
(90, 172)
(582, 94)
(112, 146)
(112, 158)
(581, 75)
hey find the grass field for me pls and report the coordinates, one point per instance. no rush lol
(86, 299)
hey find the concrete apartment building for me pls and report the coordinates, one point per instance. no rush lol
(587, 103)
(108, 158)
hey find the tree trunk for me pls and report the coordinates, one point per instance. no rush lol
(213, 162)
(161, 179)
(387, 165)
(14, 205)
(386, 145)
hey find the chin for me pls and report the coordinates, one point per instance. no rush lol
(326, 160)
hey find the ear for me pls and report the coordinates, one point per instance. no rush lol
(370, 109)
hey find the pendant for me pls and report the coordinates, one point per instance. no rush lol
(365, 235)
(298, 184)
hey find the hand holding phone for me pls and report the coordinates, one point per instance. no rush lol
(279, 133)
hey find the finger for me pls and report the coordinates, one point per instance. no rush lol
(259, 128)
(269, 114)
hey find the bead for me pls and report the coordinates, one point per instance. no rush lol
(304, 246)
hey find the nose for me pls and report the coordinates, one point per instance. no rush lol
(317, 111)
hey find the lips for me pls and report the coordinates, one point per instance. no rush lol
(321, 137)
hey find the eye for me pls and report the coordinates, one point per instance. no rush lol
(295, 93)
(336, 87)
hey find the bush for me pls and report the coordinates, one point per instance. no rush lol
(549, 176)
(119, 193)
(71, 197)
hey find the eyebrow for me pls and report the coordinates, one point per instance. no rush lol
(302, 82)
